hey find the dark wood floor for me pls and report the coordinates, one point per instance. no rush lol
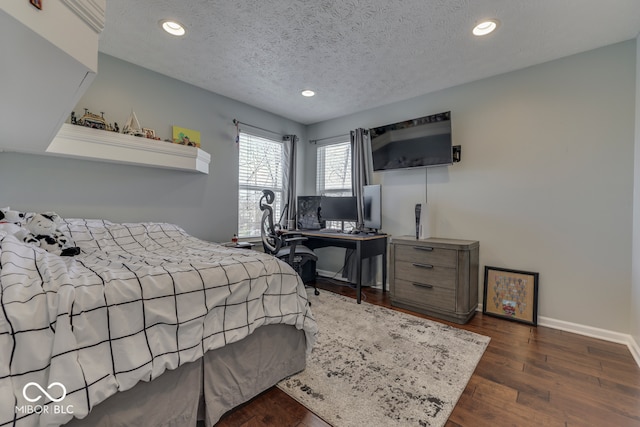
(528, 376)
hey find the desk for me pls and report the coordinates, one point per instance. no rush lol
(365, 245)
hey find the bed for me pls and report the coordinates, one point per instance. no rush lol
(146, 325)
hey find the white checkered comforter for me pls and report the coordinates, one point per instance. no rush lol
(139, 299)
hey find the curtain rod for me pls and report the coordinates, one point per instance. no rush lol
(238, 122)
(315, 141)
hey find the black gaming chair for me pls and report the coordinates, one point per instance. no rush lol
(285, 245)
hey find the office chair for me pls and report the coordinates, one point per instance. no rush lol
(281, 244)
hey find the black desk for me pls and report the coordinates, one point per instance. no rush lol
(365, 245)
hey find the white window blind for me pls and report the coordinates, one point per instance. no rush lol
(334, 170)
(333, 175)
(260, 166)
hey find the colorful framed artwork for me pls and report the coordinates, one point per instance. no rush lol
(184, 136)
(149, 133)
(36, 3)
(511, 294)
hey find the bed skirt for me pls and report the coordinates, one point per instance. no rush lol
(206, 389)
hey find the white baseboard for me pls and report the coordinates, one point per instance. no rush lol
(332, 275)
(634, 347)
(592, 332)
(588, 331)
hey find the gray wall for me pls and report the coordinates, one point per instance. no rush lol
(204, 205)
(635, 295)
(545, 183)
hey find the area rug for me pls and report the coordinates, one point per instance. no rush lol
(372, 366)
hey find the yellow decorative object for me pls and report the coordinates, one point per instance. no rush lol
(184, 136)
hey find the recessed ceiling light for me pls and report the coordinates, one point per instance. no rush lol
(485, 27)
(172, 27)
(308, 93)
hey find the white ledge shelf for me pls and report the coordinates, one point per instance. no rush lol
(81, 142)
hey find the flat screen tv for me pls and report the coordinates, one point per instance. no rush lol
(422, 142)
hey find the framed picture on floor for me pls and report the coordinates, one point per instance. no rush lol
(511, 294)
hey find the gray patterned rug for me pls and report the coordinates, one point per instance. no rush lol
(372, 366)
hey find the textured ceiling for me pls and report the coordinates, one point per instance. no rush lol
(356, 54)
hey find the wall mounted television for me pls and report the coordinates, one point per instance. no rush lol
(422, 142)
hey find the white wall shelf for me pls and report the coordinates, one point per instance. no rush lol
(81, 142)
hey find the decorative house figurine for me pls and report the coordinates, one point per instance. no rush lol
(132, 126)
(93, 121)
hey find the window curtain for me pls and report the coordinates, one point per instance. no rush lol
(361, 175)
(361, 168)
(290, 154)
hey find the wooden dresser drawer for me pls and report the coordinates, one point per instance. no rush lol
(426, 255)
(426, 295)
(427, 274)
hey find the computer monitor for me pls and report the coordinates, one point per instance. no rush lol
(308, 215)
(338, 208)
(372, 206)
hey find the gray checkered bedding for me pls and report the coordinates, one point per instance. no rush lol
(139, 299)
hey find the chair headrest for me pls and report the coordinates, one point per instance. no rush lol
(269, 196)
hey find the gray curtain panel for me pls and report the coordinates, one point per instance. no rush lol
(361, 175)
(361, 167)
(290, 149)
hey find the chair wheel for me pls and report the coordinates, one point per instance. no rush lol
(317, 292)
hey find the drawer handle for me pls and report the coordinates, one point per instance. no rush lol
(422, 265)
(423, 248)
(422, 285)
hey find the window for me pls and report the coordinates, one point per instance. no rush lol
(333, 176)
(334, 170)
(260, 166)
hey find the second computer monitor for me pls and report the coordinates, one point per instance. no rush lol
(372, 206)
(338, 208)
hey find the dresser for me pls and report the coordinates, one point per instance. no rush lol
(437, 277)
